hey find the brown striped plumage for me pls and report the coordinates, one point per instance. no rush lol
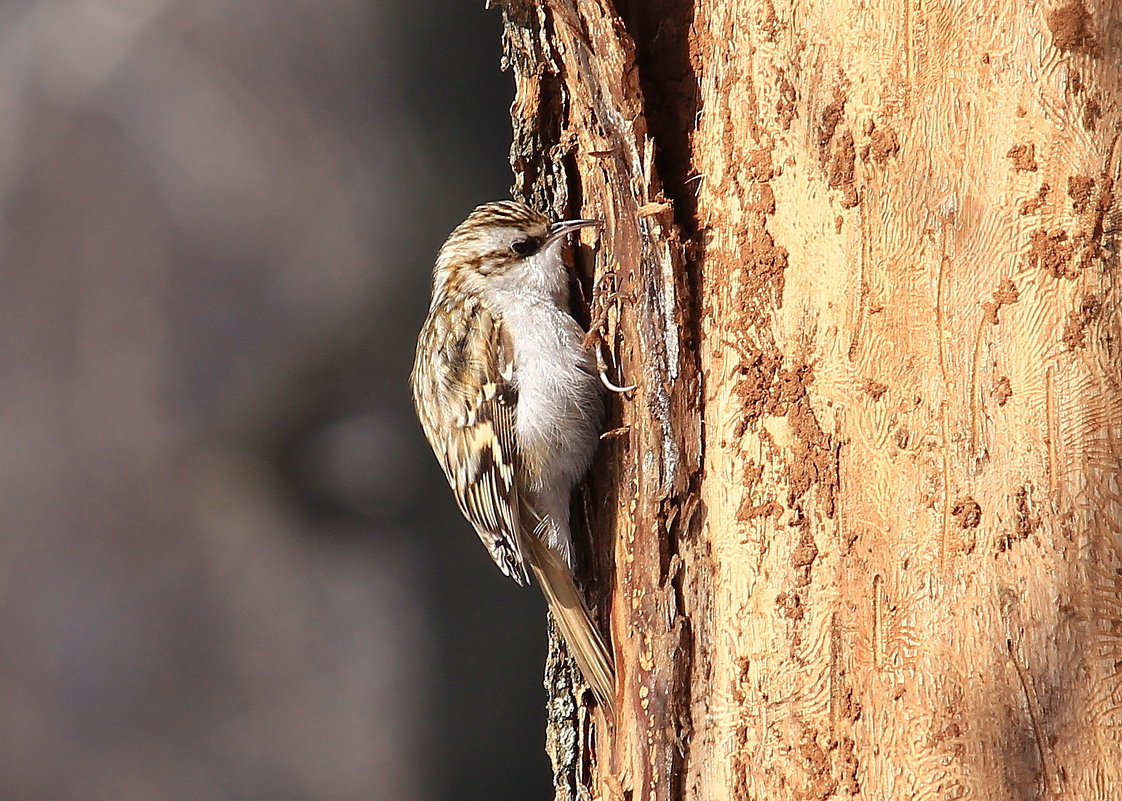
(469, 419)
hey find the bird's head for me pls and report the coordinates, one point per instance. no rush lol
(505, 243)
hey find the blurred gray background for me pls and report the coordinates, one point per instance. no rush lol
(229, 568)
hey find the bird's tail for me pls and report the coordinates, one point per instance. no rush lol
(575, 622)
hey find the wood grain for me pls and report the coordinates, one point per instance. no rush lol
(866, 520)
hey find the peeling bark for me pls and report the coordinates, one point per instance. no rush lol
(858, 531)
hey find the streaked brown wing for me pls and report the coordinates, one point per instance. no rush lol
(471, 425)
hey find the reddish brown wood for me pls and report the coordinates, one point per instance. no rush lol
(864, 514)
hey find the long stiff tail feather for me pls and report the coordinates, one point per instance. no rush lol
(575, 622)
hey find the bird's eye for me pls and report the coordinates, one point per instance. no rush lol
(522, 247)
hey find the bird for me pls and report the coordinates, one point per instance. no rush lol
(511, 403)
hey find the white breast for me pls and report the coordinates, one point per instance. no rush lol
(559, 401)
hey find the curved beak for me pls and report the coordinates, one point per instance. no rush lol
(559, 229)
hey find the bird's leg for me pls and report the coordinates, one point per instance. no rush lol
(604, 298)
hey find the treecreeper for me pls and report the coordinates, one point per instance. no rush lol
(512, 405)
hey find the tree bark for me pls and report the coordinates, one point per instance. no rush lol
(858, 531)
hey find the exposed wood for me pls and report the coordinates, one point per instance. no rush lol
(865, 512)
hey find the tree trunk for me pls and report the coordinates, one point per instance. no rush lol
(858, 531)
